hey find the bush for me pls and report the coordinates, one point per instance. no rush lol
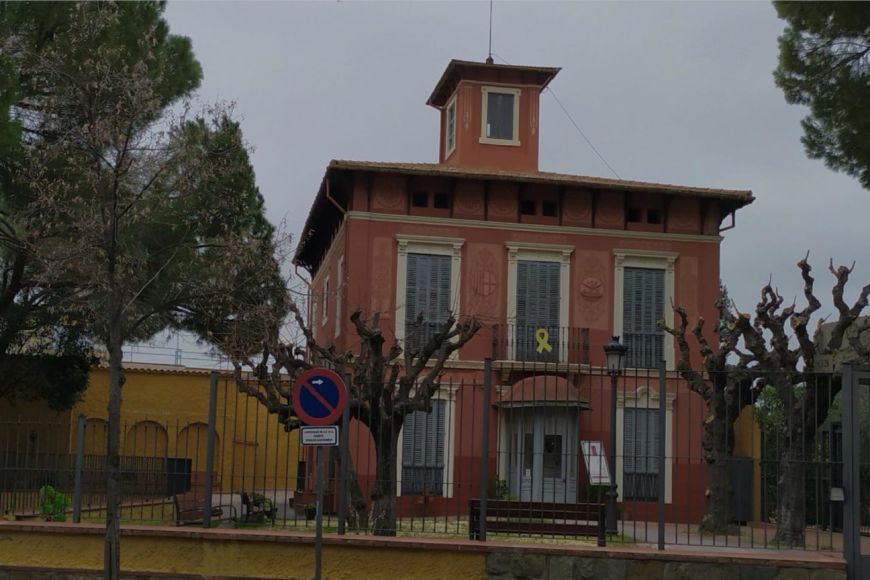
(53, 504)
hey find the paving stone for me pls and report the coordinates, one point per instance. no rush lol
(758, 572)
(793, 574)
(693, 570)
(828, 575)
(645, 570)
(561, 568)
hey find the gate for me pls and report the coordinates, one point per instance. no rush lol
(856, 470)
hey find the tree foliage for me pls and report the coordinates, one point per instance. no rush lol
(824, 64)
(136, 213)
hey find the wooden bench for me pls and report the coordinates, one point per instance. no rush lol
(190, 508)
(532, 517)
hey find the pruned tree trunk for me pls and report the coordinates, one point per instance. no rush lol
(384, 492)
(112, 555)
(791, 509)
(718, 445)
(356, 517)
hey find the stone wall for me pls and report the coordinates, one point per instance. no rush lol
(529, 566)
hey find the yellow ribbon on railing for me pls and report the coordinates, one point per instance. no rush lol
(543, 338)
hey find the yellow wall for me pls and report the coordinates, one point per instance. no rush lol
(227, 554)
(747, 443)
(165, 413)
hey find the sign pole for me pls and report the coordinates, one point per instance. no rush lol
(318, 527)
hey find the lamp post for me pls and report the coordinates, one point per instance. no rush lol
(614, 354)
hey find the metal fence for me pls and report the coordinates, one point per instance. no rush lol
(519, 449)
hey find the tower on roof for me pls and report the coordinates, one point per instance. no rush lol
(489, 114)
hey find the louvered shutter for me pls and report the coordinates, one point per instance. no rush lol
(427, 292)
(538, 304)
(423, 439)
(654, 432)
(643, 306)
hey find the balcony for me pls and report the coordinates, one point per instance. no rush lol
(540, 347)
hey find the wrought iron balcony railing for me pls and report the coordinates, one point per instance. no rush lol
(540, 343)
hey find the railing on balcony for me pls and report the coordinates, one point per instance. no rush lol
(540, 343)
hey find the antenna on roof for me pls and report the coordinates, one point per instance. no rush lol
(489, 58)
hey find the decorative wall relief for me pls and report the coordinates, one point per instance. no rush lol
(389, 194)
(484, 299)
(611, 209)
(591, 298)
(503, 202)
(577, 208)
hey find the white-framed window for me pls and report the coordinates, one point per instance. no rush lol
(339, 293)
(427, 280)
(324, 301)
(500, 116)
(643, 292)
(537, 301)
(426, 447)
(637, 430)
(450, 127)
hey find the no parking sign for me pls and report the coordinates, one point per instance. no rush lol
(319, 396)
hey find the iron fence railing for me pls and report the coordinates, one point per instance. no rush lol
(531, 439)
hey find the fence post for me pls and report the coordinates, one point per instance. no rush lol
(343, 465)
(80, 460)
(209, 458)
(484, 447)
(662, 450)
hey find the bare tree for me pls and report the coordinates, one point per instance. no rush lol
(723, 384)
(387, 383)
(767, 350)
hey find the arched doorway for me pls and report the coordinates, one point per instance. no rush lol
(146, 439)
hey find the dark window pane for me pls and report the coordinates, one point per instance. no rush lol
(527, 207)
(441, 201)
(548, 209)
(420, 199)
(553, 456)
(632, 215)
(500, 116)
(654, 216)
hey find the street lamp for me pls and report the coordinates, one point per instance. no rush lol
(614, 354)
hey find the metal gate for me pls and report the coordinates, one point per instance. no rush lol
(856, 470)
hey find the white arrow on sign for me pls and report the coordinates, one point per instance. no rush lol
(317, 382)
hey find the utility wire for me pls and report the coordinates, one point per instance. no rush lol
(573, 122)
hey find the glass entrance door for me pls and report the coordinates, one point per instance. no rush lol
(543, 455)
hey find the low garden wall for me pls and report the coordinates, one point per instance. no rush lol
(59, 551)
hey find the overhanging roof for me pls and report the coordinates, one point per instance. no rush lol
(324, 217)
(459, 69)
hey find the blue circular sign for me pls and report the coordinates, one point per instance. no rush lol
(319, 397)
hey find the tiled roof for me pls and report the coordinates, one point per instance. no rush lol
(456, 68)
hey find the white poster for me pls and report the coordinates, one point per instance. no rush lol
(596, 462)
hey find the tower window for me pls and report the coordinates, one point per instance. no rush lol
(450, 128)
(420, 199)
(527, 207)
(500, 116)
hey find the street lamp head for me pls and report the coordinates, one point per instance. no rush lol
(614, 353)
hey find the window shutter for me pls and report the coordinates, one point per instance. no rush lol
(408, 441)
(643, 306)
(439, 431)
(653, 446)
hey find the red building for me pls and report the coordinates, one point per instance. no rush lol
(553, 264)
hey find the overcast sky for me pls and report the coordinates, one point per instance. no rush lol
(673, 92)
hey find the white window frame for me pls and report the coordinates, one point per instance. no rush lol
(436, 246)
(324, 313)
(540, 253)
(651, 259)
(449, 140)
(645, 397)
(339, 287)
(446, 393)
(484, 91)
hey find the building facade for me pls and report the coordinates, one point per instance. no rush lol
(553, 265)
